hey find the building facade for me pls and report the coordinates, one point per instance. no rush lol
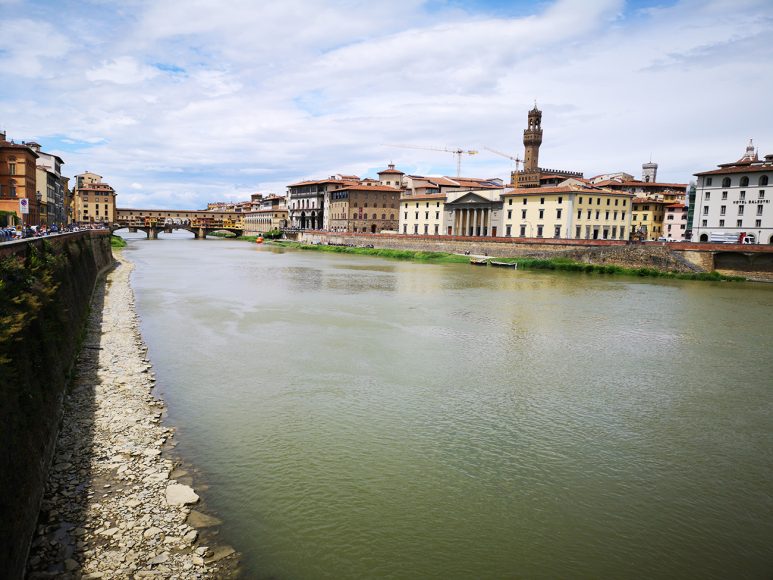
(50, 187)
(364, 208)
(18, 179)
(422, 214)
(306, 201)
(572, 210)
(270, 214)
(735, 200)
(675, 223)
(94, 202)
(647, 220)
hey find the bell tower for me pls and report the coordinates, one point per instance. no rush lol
(532, 139)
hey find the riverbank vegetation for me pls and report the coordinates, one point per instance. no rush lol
(561, 264)
(436, 257)
(117, 242)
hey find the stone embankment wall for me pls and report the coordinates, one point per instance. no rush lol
(607, 252)
(45, 289)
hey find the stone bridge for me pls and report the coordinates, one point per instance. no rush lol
(199, 222)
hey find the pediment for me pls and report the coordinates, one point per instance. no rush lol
(471, 198)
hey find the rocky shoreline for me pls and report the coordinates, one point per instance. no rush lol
(113, 507)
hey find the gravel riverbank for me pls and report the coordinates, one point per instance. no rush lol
(113, 506)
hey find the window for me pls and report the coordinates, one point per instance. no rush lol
(558, 214)
(740, 209)
(12, 168)
(762, 194)
(426, 229)
(708, 181)
(635, 216)
(726, 182)
(759, 209)
(508, 230)
(405, 215)
(606, 215)
(708, 195)
(383, 216)
(560, 199)
(426, 215)
(721, 223)
(598, 201)
(405, 228)
(523, 214)
(437, 229)
(763, 180)
(644, 217)
(625, 201)
(541, 213)
(738, 223)
(417, 215)
(744, 181)
(427, 204)
(616, 201)
(704, 223)
(524, 201)
(509, 214)
(539, 231)
(577, 231)
(557, 232)
(609, 200)
(724, 195)
(705, 210)
(580, 200)
(722, 209)
(523, 231)
(622, 233)
(579, 213)
(670, 216)
(615, 215)
(757, 223)
(415, 228)
(437, 215)
(614, 232)
(510, 201)
(588, 214)
(598, 213)
(742, 195)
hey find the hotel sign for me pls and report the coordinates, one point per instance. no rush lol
(751, 201)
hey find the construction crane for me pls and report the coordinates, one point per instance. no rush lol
(458, 152)
(517, 160)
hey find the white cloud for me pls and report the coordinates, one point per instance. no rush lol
(206, 100)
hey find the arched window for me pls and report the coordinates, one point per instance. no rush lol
(744, 181)
(726, 182)
(764, 180)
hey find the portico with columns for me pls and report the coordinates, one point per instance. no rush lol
(474, 213)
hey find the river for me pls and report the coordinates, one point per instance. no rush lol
(356, 417)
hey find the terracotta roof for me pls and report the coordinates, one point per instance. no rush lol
(395, 171)
(738, 169)
(386, 188)
(676, 205)
(647, 200)
(590, 190)
(424, 196)
(319, 181)
(637, 183)
(9, 145)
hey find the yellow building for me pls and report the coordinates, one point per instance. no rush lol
(93, 200)
(422, 214)
(647, 219)
(571, 210)
(270, 214)
(17, 180)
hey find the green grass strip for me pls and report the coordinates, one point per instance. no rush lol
(434, 257)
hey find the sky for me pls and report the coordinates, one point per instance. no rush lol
(177, 104)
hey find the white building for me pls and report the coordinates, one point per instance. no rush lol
(735, 200)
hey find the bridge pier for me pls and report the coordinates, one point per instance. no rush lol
(152, 234)
(200, 234)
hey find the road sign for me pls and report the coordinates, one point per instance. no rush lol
(24, 205)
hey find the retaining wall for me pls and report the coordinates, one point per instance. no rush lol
(45, 289)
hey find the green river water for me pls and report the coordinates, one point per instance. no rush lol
(355, 417)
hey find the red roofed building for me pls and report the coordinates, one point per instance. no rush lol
(17, 180)
(363, 208)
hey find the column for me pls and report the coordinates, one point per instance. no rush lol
(475, 218)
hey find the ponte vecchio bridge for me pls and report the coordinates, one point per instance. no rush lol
(200, 222)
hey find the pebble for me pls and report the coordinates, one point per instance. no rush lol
(110, 501)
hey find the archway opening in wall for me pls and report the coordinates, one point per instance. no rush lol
(373, 228)
(770, 241)
(704, 238)
(176, 234)
(127, 235)
(303, 220)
